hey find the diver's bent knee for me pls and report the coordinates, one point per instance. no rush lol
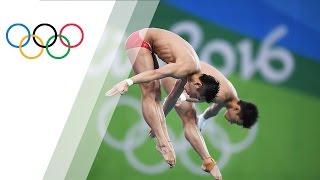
(147, 87)
(191, 114)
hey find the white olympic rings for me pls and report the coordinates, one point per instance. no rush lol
(137, 135)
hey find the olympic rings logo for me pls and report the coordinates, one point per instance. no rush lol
(36, 39)
(136, 136)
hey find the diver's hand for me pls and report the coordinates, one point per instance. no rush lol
(120, 88)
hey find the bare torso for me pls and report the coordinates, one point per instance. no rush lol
(227, 90)
(170, 47)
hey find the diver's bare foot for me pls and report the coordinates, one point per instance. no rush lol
(167, 153)
(210, 166)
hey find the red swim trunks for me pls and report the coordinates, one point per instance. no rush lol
(134, 40)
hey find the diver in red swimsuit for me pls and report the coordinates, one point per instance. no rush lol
(182, 63)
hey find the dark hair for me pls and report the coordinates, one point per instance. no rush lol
(210, 87)
(248, 113)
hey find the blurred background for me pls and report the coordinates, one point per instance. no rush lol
(269, 50)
